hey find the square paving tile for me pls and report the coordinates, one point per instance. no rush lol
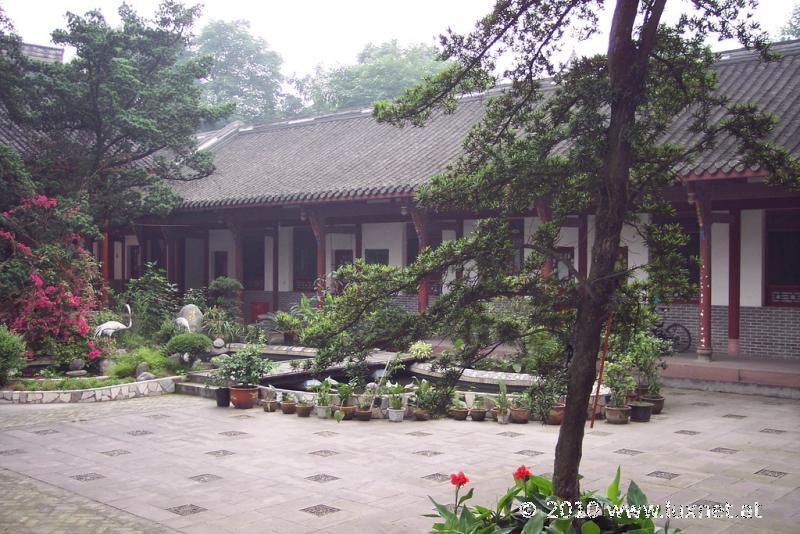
(734, 416)
(207, 477)
(428, 453)
(86, 477)
(11, 452)
(666, 475)
(419, 433)
(45, 432)
(322, 477)
(116, 452)
(324, 453)
(242, 416)
(437, 477)
(687, 432)
(220, 453)
(529, 452)
(628, 452)
(139, 432)
(186, 509)
(157, 416)
(771, 473)
(320, 510)
(600, 433)
(326, 433)
(723, 450)
(510, 434)
(772, 431)
(233, 433)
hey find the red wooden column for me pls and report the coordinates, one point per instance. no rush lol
(545, 215)
(734, 278)
(583, 245)
(276, 296)
(420, 221)
(320, 233)
(702, 202)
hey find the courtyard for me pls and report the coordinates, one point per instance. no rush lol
(179, 463)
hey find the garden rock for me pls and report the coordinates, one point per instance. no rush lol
(77, 372)
(175, 359)
(193, 316)
(143, 367)
(77, 364)
(105, 366)
(219, 343)
(145, 376)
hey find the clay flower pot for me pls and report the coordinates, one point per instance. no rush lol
(244, 397)
(640, 411)
(271, 406)
(657, 402)
(421, 414)
(492, 414)
(304, 410)
(363, 415)
(477, 414)
(617, 415)
(288, 408)
(459, 414)
(223, 396)
(520, 415)
(348, 411)
(556, 415)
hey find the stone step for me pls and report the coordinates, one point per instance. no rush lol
(197, 377)
(195, 389)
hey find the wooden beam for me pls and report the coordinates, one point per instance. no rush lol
(421, 224)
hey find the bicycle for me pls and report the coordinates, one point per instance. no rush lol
(675, 332)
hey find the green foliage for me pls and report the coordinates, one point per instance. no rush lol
(218, 324)
(619, 379)
(153, 299)
(245, 367)
(125, 364)
(12, 353)
(382, 71)
(193, 343)
(422, 350)
(791, 30)
(345, 392)
(15, 181)
(224, 292)
(545, 393)
(197, 296)
(395, 393)
(68, 384)
(244, 71)
(168, 330)
(502, 401)
(323, 391)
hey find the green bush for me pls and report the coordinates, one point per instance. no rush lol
(12, 353)
(192, 342)
(218, 324)
(168, 330)
(224, 293)
(125, 364)
(69, 384)
(197, 296)
(153, 299)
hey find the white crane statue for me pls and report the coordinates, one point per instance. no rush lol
(183, 323)
(111, 327)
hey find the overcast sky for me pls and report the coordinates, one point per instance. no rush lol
(310, 32)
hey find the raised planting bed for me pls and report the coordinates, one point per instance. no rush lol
(118, 390)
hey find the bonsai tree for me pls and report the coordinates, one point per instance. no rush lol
(646, 353)
(225, 293)
(191, 343)
(245, 367)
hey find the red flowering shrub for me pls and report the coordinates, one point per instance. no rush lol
(47, 277)
(459, 479)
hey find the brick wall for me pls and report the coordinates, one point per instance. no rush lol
(763, 331)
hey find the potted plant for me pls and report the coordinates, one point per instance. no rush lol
(620, 381)
(458, 408)
(645, 352)
(544, 399)
(244, 368)
(396, 410)
(640, 411)
(323, 399)
(502, 404)
(423, 399)
(345, 393)
(271, 403)
(288, 403)
(477, 411)
(364, 408)
(654, 394)
(304, 407)
(223, 392)
(520, 409)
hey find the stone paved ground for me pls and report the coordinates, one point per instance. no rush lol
(137, 465)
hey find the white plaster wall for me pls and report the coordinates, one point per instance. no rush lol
(752, 265)
(285, 258)
(220, 240)
(118, 265)
(637, 249)
(338, 242)
(386, 236)
(193, 266)
(720, 264)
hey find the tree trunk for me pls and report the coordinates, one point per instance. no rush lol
(626, 68)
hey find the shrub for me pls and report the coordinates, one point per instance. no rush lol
(192, 342)
(168, 330)
(217, 323)
(197, 296)
(244, 367)
(153, 299)
(125, 364)
(422, 350)
(224, 293)
(12, 353)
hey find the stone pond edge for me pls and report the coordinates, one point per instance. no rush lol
(146, 388)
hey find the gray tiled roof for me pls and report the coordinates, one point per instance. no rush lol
(350, 154)
(47, 54)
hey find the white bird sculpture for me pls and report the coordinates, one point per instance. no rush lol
(110, 327)
(182, 322)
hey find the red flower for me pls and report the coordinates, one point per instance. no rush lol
(522, 473)
(458, 479)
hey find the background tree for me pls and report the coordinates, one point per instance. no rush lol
(244, 71)
(791, 30)
(120, 118)
(589, 143)
(383, 71)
